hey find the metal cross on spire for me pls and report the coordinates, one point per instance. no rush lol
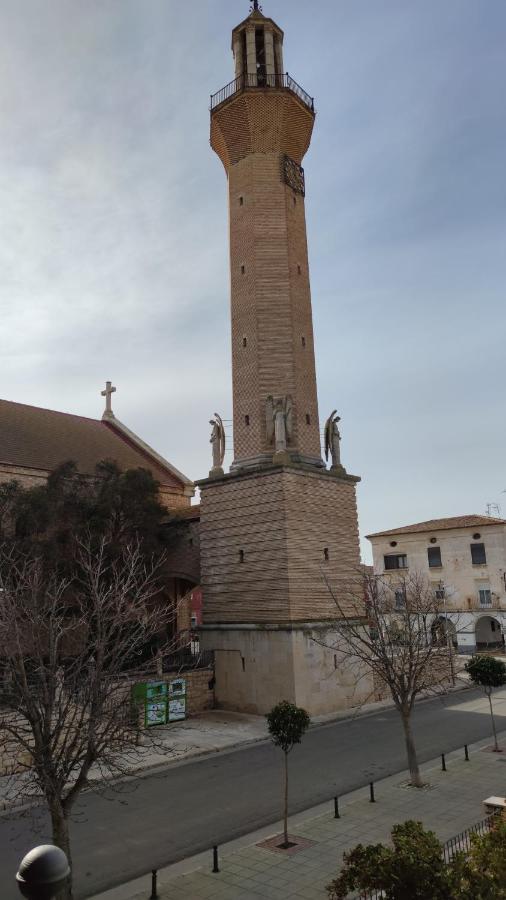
(255, 6)
(109, 391)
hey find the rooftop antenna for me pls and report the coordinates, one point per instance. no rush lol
(493, 509)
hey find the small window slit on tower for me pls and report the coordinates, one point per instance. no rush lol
(243, 269)
(246, 420)
(241, 201)
(245, 342)
(241, 556)
(326, 554)
(303, 341)
(299, 270)
(308, 419)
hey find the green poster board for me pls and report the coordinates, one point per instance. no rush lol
(162, 701)
(177, 699)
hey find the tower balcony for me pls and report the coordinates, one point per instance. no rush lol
(261, 82)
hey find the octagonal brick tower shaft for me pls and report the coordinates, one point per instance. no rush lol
(261, 126)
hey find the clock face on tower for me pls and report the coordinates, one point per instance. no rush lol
(294, 175)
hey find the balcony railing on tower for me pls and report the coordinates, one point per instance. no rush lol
(261, 81)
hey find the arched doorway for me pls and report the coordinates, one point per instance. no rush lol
(443, 630)
(488, 634)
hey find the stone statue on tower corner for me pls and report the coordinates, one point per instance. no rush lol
(217, 441)
(333, 441)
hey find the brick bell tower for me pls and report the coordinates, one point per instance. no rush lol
(279, 525)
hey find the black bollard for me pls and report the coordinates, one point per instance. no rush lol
(154, 892)
(443, 763)
(466, 753)
(371, 792)
(216, 867)
(336, 808)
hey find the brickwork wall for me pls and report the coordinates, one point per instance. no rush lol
(272, 331)
(199, 695)
(261, 121)
(282, 520)
(169, 497)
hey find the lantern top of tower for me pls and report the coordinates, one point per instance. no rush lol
(256, 15)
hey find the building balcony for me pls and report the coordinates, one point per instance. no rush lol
(472, 604)
(259, 82)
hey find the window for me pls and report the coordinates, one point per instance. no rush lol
(434, 557)
(299, 270)
(303, 341)
(326, 554)
(245, 342)
(241, 201)
(400, 598)
(396, 561)
(308, 419)
(439, 593)
(478, 555)
(485, 595)
(246, 420)
(243, 269)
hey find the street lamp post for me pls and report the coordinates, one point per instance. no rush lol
(43, 872)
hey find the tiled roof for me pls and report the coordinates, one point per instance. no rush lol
(31, 437)
(442, 525)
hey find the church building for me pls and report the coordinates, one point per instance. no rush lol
(35, 441)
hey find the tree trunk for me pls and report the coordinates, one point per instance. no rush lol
(61, 838)
(414, 770)
(494, 732)
(285, 808)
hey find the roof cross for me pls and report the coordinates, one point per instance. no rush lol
(255, 6)
(109, 391)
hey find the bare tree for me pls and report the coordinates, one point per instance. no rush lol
(384, 632)
(71, 645)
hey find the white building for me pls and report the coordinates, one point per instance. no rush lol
(465, 559)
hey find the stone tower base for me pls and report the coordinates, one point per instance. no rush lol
(257, 666)
(279, 558)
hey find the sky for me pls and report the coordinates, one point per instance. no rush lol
(114, 242)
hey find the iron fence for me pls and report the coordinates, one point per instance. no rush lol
(461, 843)
(261, 81)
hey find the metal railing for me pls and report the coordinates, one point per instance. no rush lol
(461, 843)
(261, 81)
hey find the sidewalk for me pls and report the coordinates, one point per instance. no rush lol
(451, 803)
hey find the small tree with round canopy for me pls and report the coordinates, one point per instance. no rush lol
(287, 725)
(488, 673)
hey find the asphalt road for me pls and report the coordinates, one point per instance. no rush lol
(184, 809)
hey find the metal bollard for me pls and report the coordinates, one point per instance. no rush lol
(336, 808)
(154, 892)
(443, 763)
(371, 792)
(216, 867)
(466, 753)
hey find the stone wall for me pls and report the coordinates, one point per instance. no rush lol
(259, 667)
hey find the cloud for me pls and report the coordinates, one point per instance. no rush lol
(114, 244)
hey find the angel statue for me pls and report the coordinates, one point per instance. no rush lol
(217, 440)
(333, 440)
(279, 422)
